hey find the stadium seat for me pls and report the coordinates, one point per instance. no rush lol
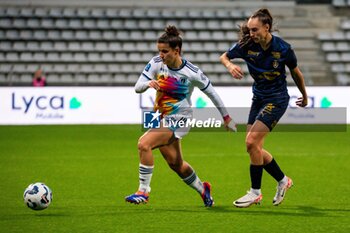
(53, 56)
(102, 24)
(339, 3)
(345, 57)
(81, 35)
(328, 46)
(80, 78)
(110, 40)
(75, 24)
(338, 67)
(66, 57)
(79, 57)
(5, 46)
(97, 12)
(83, 13)
(5, 68)
(345, 25)
(94, 57)
(19, 46)
(53, 34)
(47, 23)
(95, 35)
(114, 68)
(333, 57)
(39, 34)
(13, 11)
(19, 23)
(109, 35)
(60, 46)
(343, 46)
(40, 12)
(69, 12)
(55, 12)
(115, 46)
(12, 56)
(107, 57)
(343, 79)
(101, 46)
(74, 68)
(26, 78)
(59, 68)
(153, 13)
(89, 23)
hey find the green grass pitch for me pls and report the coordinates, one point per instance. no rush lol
(92, 168)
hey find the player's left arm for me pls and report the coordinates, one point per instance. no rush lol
(298, 78)
(219, 104)
(204, 84)
(297, 75)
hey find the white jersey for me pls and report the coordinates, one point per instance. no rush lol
(176, 86)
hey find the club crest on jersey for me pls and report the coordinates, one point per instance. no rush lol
(275, 64)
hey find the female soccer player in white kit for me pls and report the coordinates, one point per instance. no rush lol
(174, 79)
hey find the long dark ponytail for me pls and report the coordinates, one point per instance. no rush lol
(264, 17)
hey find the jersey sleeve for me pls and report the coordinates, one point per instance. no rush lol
(234, 52)
(204, 84)
(200, 80)
(291, 59)
(148, 74)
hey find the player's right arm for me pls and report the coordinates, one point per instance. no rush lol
(233, 69)
(147, 77)
(226, 58)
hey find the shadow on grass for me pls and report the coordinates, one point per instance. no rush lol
(309, 211)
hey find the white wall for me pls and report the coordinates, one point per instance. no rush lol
(120, 105)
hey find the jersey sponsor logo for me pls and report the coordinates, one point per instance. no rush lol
(276, 55)
(269, 75)
(253, 53)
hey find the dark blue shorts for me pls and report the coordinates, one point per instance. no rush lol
(268, 110)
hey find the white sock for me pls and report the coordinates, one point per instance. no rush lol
(194, 182)
(145, 176)
(255, 191)
(283, 181)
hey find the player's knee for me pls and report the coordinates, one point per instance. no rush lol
(143, 146)
(251, 144)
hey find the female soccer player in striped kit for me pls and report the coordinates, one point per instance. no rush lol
(174, 79)
(266, 56)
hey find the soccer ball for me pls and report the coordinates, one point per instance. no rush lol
(37, 196)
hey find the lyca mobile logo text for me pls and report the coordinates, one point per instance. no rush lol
(42, 102)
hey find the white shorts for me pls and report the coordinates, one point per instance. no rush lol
(178, 123)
